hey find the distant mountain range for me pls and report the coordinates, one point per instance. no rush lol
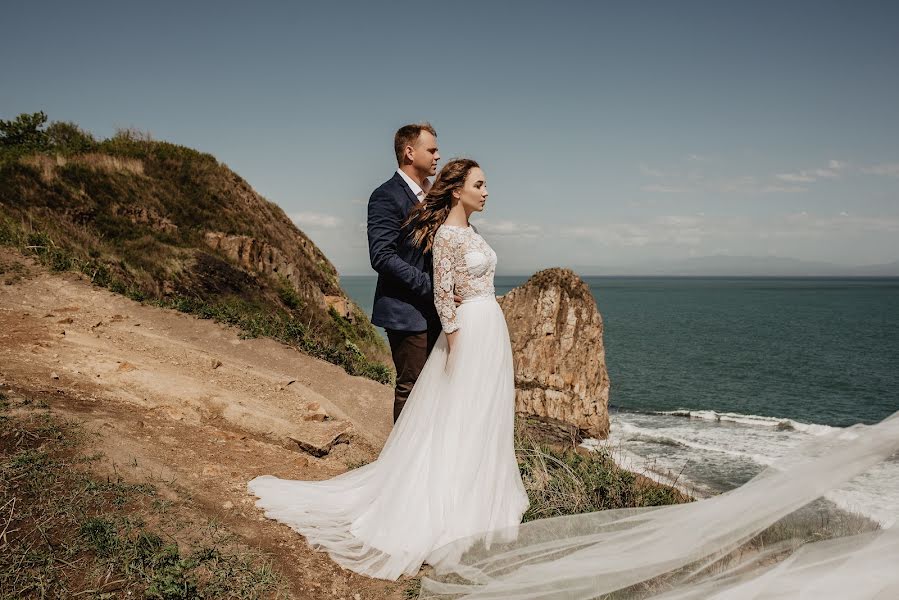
(742, 266)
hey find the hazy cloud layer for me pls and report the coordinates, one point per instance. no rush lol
(890, 170)
(313, 220)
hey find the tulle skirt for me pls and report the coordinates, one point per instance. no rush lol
(447, 471)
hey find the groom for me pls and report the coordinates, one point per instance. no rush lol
(404, 302)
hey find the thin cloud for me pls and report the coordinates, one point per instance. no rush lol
(783, 189)
(796, 177)
(832, 171)
(315, 220)
(660, 188)
(745, 184)
(695, 181)
(678, 230)
(699, 230)
(510, 228)
(887, 169)
(650, 172)
(804, 224)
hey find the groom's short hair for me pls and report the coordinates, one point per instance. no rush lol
(407, 135)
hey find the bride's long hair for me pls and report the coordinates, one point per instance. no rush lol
(424, 220)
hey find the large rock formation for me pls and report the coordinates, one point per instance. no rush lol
(560, 365)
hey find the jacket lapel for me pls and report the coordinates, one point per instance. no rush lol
(402, 183)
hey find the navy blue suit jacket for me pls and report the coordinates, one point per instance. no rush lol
(404, 298)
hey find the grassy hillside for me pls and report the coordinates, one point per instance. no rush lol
(68, 532)
(167, 224)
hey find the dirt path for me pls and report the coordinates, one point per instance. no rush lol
(189, 406)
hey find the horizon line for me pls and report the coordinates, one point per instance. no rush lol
(681, 276)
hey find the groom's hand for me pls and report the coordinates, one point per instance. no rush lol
(456, 297)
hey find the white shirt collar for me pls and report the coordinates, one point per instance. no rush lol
(413, 185)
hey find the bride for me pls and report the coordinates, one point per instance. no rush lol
(448, 469)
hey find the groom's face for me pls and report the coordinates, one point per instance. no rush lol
(425, 154)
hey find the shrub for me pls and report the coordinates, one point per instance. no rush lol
(68, 138)
(288, 294)
(24, 132)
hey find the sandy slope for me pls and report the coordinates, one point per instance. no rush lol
(188, 405)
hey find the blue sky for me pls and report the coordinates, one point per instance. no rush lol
(612, 134)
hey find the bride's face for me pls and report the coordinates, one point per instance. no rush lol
(473, 194)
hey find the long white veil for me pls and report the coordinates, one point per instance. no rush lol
(750, 542)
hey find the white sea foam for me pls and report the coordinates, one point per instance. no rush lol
(634, 432)
(756, 420)
(709, 451)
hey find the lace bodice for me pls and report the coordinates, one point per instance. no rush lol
(462, 261)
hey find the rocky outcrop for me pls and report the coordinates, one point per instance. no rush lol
(343, 306)
(140, 215)
(261, 257)
(560, 367)
(251, 254)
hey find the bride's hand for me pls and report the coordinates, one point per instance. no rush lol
(451, 339)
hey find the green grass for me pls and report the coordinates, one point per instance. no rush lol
(565, 482)
(68, 533)
(412, 591)
(255, 321)
(288, 294)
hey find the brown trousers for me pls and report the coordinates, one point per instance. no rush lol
(410, 350)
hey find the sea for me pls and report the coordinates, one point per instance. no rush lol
(715, 378)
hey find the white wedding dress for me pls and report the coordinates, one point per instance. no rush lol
(448, 469)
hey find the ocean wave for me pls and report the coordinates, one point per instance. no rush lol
(874, 495)
(636, 433)
(754, 420)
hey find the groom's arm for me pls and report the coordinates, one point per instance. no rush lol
(385, 221)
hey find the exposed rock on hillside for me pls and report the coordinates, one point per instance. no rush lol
(560, 367)
(262, 257)
(143, 216)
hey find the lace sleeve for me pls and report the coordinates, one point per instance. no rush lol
(444, 280)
